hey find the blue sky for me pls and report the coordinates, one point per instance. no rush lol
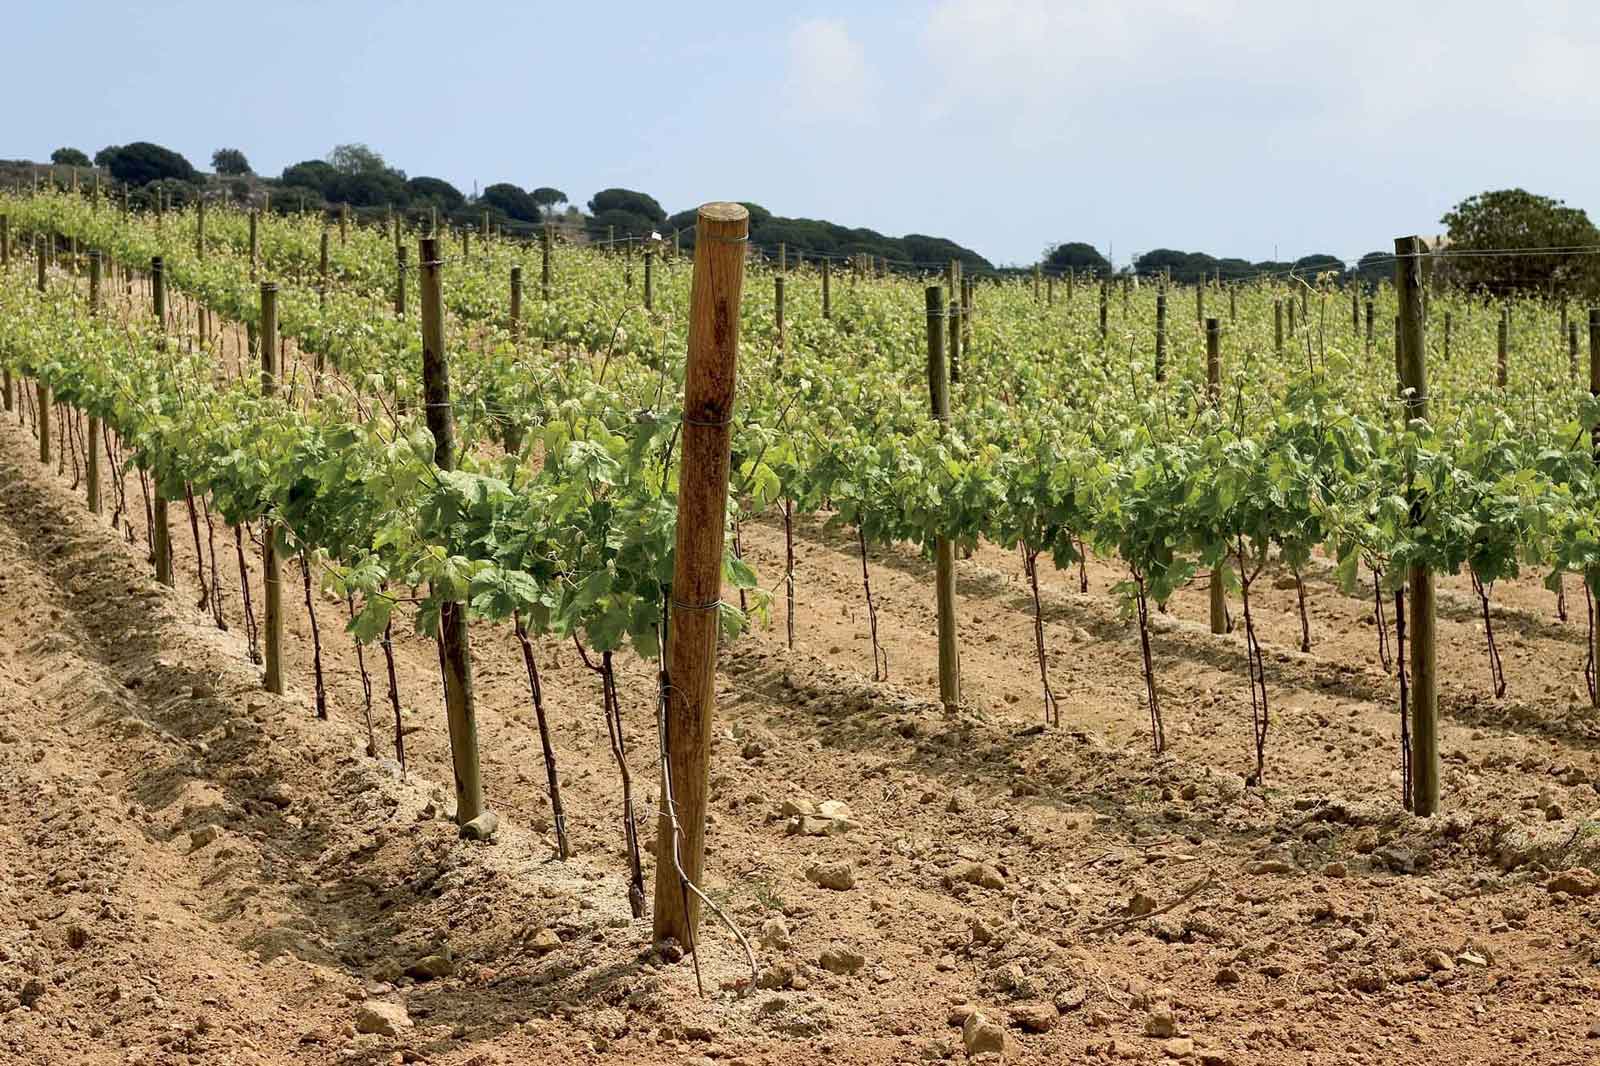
(1236, 127)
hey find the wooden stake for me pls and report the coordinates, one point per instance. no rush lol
(271, 564)
(944, 549)
(827, 294)
(516, 303)
(1161, 334)
(777, 298)
(93, 444)
(649, 279)
(200, 228)
(400, 283)
(43, 390)
(344, 222)
(1277, 326)
(544, 266)
(953, 315)
(710, 377)
(1593, 576)
(161, 536)
(255, 246)
(1219, 598)
(1502, 355)
(454, 643)
(1422, 621)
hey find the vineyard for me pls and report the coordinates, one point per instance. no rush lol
(1063, 667)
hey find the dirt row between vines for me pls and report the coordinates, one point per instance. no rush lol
(200, 872)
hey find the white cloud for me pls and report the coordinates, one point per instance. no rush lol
(828, 78)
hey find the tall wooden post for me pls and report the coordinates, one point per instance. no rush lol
(1593, 576)
(344, 222)
(777, 310)
(271, 565)
(161, 535)
(255, 246)
(516, 303)
(1371, 327)
(1502, 356)
(649, 279)
(1420, 617)
(1447, 324)
(827, 293)
(1219, 598)
(966, 314)
(953, 317)
(783, 258)
(1277, 325)
(1050, 291)
(42, 390)
(1355, 310)
(1200, 301)
(5, 261)
(92, 446)
(200, 228)
(1572, 350)
(455, 646)
(1105, 301)
(944, 549)
(1161, 334)
(1036, 283)
(544, 262)
(400, 283)
(322, 266)
(709, 381)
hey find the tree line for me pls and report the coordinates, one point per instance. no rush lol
(1519, 241)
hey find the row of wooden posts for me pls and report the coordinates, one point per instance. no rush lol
(716, 293)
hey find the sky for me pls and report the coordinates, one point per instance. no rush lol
(1236, 127)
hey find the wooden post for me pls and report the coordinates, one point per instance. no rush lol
(322, 267)
(1572, 350)
(611, 238)
(271, 565)
(1233, 301)
(1105, 300)
(1371, 336)
(466, 242)
(1502, 356)
(400, 283)
(777, 309)
(966, 314)
(255, 246)
(1200, 301)
(944, 549)
(1219, 599)
(344, 222)
(516, 303)
(827, 293)
(719, 251)
(1050, 291)
(1447, 343)
(161, 535)
(92, 446)
(1161, 334)
(455, 646)
(42, 390)
(5, 261)
(1420, 615)
(1277, 326)
(200, 228)
(1593, 576)
(783, 258)
(1355, 310)
(1036, 283)
(650, 279)
(953, 315)
(544, 265)
(1290, 309)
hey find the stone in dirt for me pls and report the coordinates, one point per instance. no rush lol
(833, 809)
(1035, 1017)
(545, 940)
(1180, 1047)
(1161, 1023)
(775, 934)
(1578, 881)
(975, 873)
(199, 838)
(431, 967)
(984, 1037)
(382, 1019)
(841, 960)
(837, 876)
(482, 827)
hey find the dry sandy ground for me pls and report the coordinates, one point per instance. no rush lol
(192, 871)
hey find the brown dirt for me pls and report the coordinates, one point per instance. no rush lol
(128, 722)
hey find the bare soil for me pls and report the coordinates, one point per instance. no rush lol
(193, 871)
